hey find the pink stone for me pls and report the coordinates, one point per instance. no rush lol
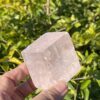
(51, 58)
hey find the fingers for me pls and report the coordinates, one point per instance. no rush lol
(26, 88)
(17, 74)
(4, 96)
(55, 93)
(10, 80)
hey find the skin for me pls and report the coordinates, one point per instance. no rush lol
(12, 89)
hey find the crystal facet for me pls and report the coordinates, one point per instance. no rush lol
(51, 58)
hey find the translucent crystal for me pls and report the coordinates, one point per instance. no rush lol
(51, 58)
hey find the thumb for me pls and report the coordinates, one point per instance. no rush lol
(57, 92)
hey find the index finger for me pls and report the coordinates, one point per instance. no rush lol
(17, 74)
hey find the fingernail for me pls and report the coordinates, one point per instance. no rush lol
(61, 87)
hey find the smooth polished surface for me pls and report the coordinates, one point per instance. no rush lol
(51, 58)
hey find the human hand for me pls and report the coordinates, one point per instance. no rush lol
(11, 89)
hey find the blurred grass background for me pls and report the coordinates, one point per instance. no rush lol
(23, 21)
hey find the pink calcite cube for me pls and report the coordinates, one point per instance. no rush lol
(51, 58)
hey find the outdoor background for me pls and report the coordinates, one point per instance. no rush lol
(23, 21)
